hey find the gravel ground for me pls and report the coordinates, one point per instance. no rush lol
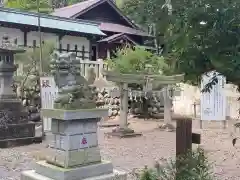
(130, 153)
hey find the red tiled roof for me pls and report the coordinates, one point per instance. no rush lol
(121, 29)
(72, 10)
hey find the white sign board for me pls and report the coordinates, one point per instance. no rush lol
(49, 92)
(213, 103)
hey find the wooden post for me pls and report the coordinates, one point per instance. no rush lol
(183, 141)
(123, 105)
(183, 135)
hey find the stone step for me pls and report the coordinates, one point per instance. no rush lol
(32, 175)
(81, 172)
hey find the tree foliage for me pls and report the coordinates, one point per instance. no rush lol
(151, 15)
(27, 79)
(30, 5)
(45, 6)
(128, 60)
(205, 35)
(200, 35)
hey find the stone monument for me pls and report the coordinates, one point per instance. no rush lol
(15, 127)
(73, 153)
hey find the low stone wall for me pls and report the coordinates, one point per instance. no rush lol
(137, 105)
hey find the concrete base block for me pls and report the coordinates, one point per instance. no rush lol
(58, 173)
(116, 175)
(73, 158)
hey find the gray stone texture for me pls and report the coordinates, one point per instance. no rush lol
(74, 142)
(116, 175)
(73, 158)
(82, 172)
(74, 126)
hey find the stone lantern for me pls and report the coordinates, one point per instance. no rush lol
(14, 125)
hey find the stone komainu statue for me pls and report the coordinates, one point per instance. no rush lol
(74, 91)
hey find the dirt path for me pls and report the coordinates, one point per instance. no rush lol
(131, 153)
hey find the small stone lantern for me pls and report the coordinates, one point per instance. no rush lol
(14, 124)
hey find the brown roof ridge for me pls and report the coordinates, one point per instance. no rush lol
(116, 36)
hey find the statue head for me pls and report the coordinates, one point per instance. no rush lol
(74, 91)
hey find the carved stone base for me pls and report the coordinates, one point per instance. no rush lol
(13, 131)
(16, 134)
(167, 127)
(124, 132)
(12, 112)
(7, 143)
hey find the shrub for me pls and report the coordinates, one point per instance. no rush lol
(192, 166)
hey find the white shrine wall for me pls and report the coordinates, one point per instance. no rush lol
(13, 34)
(72, 41)
(32, 36)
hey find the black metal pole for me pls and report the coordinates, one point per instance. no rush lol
(40, 54)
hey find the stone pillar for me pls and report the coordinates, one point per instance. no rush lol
(74, 153)
(167, 106)
(123, 105)
(123, 130)
(167, 111)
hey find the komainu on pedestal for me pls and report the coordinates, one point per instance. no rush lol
(73, 152)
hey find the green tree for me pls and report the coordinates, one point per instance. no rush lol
(27, 79)
(151, 15)
(199, 35)
(128, 60)
(30, 5)
(205, 35)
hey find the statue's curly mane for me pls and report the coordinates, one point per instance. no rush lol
(66, 72)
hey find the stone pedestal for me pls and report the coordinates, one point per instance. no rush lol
(73, 153)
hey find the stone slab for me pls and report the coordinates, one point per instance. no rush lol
(81, 172)
(124, 135)
(116, 175)
(14, 131)
(7, 143)
(74, 127)
(74, 142)
(79, 114)
(73, 158)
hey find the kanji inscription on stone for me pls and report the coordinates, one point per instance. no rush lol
(45, 84)
(84, 141)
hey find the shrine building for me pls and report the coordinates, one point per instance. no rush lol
(120, 30)
(93, 29)
(68, 35)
